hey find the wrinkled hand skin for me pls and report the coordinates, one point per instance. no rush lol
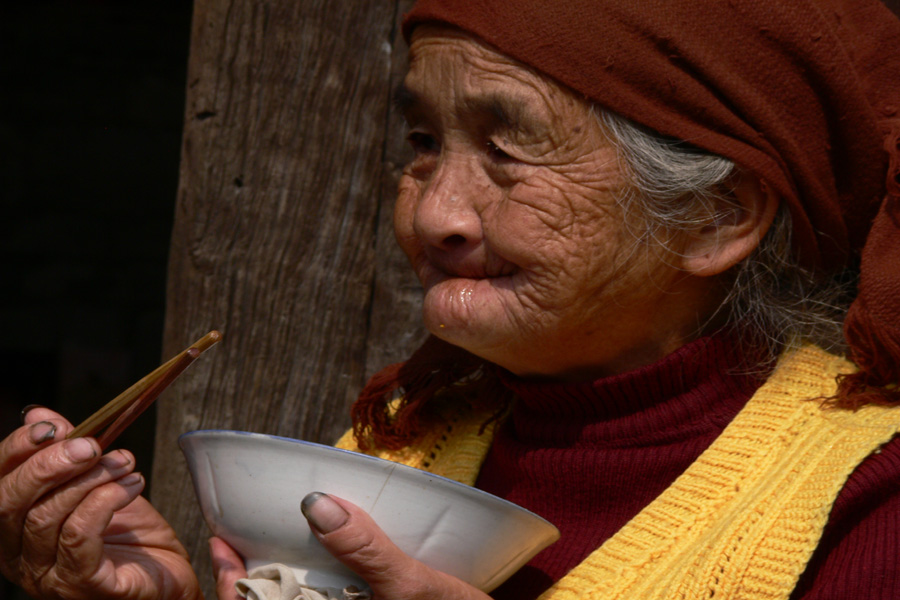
(227, 566)
(75, 527)
(363, 547)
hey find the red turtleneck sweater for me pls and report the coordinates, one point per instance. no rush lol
(588, 457)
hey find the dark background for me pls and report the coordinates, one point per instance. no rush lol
(90, 128)
(91, 107)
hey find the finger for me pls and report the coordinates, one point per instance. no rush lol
(44, 471)
(227, 566)
(43, 522)
(353, 538)
(34, 413)
(80, 552)
(25, 441)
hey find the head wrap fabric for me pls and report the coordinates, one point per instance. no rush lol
(805, 94)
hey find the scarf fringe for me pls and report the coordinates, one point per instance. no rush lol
(875, 343)
(876, 352)
(399, 401)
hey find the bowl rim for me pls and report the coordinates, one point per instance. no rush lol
(463, 488)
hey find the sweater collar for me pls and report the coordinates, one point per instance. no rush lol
(702, 384)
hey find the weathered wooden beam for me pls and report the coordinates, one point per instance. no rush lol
(282, 235)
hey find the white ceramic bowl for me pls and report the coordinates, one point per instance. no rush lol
(250, 486)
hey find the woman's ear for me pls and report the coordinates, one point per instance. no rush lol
(735, 231)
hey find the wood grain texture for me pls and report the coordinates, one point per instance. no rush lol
(282, 237)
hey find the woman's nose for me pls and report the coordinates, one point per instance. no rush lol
(446, 217)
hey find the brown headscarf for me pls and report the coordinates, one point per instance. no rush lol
(805, 94)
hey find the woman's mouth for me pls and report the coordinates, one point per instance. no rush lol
(469, 267)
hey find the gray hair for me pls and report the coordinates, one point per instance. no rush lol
(677, 187)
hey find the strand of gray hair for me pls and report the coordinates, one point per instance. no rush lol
(678, 187)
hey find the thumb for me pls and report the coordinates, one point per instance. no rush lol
(352, 537)
(227, 568)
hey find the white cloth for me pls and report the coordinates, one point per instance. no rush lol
(278, 582)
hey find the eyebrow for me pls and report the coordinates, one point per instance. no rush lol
(505, 110)
(509, 113)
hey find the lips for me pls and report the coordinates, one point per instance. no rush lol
(470, 266)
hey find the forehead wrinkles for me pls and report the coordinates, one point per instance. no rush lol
(444, 61)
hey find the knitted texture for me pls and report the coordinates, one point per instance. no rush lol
(455, 450)
(744, 519)
(588, 456)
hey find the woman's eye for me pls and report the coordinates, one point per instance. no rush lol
(423, 143)
(495, 152)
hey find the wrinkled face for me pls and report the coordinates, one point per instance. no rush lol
(509, 215)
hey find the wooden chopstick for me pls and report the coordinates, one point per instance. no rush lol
(122, 410)
(145, 399)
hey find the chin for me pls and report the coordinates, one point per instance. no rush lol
(465, 336)
(486, 345)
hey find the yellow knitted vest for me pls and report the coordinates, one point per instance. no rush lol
(739, 523)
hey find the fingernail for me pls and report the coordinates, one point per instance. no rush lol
(131, 479)
(27, 410)
(80, 450)
(41, 432)
(115, 460)
(322, 512)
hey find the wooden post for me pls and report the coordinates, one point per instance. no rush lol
(282, 236)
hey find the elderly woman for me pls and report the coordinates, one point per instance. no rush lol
(639, 228)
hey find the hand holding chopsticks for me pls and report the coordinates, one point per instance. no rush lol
(122, 410)
(70, 499)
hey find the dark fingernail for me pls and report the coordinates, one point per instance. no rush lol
(41, 432)
(27, 410)
(131, 479)
(115, 460)
(322, 512)
(80, 450)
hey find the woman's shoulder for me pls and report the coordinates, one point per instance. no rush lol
(874, 483)
(859, 554)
